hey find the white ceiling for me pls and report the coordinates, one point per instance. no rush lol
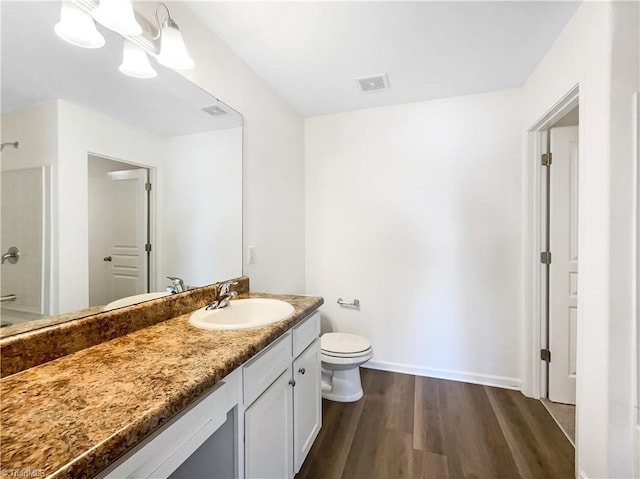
(311, 52)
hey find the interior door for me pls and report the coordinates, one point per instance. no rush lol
(563, 273)
(128, 272)
(118, 233)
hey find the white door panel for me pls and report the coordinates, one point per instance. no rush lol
(117, 232)
(563, 280)
(128, 265)
(307, 402)
(269, 432)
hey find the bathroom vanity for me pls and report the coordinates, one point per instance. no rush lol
(259, 421)
(171, 400)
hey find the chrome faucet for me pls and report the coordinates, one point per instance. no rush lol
(176, 287)
(224, 295)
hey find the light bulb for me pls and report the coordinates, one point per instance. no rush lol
(117, 15)
(77, 27)
(135, 62)
(173, 52)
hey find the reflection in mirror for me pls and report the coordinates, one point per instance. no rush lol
(119, 212)
(114, 183)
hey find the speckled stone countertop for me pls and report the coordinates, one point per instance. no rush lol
(40, 345)
(47, 321)
(73, 416)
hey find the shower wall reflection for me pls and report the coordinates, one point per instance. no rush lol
(24, 286)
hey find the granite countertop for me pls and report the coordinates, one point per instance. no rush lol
(47, 321)
(74, 416)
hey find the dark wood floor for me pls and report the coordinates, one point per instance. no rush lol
(415, 427)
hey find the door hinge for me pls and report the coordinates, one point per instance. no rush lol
(147, 247)
(545, 257)
(147, 186)
(546, 159)
(545, 355)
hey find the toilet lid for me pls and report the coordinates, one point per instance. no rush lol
(343, 343)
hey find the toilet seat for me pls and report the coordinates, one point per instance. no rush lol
(346, 355)
(344, 345)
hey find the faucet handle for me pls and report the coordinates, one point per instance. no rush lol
(224, 287)
(178, 284)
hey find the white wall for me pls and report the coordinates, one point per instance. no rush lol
(414, 210)
(273, 155)
(201, 220)
(599, 51)
(35, 129)
(625, 81)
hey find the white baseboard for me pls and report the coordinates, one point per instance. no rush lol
(463, 376)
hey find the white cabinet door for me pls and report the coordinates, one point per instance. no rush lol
(307, 402)
(269, 432)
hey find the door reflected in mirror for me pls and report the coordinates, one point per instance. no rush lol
(116, 182)
(119, 230)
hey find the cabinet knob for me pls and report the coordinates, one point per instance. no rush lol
(292, 382)
(301, 370)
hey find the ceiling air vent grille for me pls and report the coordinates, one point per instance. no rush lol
(373, 83)
(214, 110)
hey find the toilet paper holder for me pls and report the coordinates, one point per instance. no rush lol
(354, 304)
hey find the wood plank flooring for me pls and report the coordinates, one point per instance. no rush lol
(415, 427)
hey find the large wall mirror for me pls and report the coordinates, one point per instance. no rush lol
(109, 183)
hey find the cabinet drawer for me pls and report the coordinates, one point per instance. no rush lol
(306, 333)
(259, 373)
(164, 451)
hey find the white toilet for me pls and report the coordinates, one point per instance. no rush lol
(342, 354)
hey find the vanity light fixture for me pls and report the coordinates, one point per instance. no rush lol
(173, 52)
(135, 62)
(77, 27)
(117, 15)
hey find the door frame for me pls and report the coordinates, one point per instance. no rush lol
(535, 328)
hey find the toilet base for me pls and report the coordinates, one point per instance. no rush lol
(341, 385)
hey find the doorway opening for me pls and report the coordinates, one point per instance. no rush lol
(552, 258)
(119, 230)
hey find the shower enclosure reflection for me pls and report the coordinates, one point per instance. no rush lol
(24, 285)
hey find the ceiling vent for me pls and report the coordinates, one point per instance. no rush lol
(214, 110)
(373, 83)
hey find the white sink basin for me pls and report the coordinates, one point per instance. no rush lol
(138, 298)
(243, 314)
